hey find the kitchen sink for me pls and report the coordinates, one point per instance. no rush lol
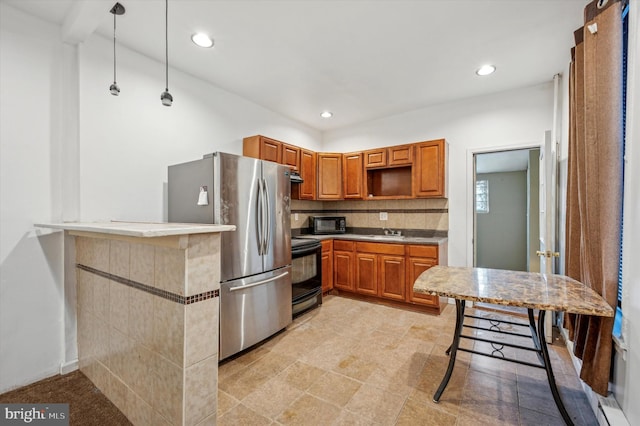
(386, 237)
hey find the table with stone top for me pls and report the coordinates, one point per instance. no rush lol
(530, 290)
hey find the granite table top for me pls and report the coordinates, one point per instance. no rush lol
(139, 229)
(513, 288)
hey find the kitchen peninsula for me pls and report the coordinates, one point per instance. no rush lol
(147, 316)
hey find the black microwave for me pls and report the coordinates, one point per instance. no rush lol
(327, 224)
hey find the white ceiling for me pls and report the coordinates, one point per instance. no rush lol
(360, 59)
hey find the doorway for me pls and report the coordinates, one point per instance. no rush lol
(506, 209)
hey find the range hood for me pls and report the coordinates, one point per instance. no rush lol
(295, 177)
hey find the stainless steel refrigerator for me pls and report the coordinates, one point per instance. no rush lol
(253, 195)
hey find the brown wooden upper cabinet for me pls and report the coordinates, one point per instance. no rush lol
(291, 156)
(352, 175)
(307, 189)
(416, 170)
(329, 176)
(429, 171)
(400, 155)
(263, 148)
(375, 158)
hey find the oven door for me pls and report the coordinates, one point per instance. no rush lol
(306, 277)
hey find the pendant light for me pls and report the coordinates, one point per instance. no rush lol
(117, 9)
(166, 97)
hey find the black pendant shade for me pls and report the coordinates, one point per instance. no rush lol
(117, 9)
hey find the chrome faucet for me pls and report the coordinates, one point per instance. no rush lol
(389, 231)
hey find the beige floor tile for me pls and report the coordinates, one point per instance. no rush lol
(309, 411)
(376, 404)
(242, 383)
(334, 388)
(355, 367)
(240, 415)
(301, 375)
(225, 402)
(355, 363)
(416, 413)
(272, 397)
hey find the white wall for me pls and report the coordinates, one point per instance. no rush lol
(516, 118)
(128, 141)
(70, 151)
(31, 285)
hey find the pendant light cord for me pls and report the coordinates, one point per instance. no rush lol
(114, 47)
(166, 44)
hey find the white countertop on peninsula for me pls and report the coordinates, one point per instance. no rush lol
(139, 229)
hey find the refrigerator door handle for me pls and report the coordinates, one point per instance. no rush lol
(257, 283)
(260, 220)
(267, 210)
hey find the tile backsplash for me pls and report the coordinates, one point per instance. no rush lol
(429, 216)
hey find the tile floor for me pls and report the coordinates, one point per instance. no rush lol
(355, 363)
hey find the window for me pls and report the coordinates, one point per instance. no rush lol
(617, 327)
(482, 196)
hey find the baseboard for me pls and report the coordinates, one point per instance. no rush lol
(68, 367)
(606, 410)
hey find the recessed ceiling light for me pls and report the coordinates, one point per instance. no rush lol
(326, 114)
(485, 70)
(202, 40)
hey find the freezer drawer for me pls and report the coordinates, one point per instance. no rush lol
(253, 308)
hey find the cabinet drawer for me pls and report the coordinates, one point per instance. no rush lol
(327, 246)
(422, 251)
(343, 245)
(397, 249)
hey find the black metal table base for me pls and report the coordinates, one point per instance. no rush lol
(537, 334)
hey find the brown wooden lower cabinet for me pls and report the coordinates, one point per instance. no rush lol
(367, 273)
(382, 270)
(343, 265)
(392, 273)
(419, 259)
(327, 265)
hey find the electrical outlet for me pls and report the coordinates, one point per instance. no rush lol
(295, 216)
(384, 216)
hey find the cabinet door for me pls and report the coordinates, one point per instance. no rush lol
(327, 265)
(263, 148)
(343, 270)
(307, 189)
(400, 155)
(392, 277)
(375, 158)
(270, 150)
(291, 156)
(367, 273)
(329, 176)
(352, 175)
(430, 169)
(418, 265)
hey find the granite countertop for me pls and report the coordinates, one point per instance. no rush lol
(139, 229)
(378, 238)
(513, 288)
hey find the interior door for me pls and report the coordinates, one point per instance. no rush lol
(547, 253)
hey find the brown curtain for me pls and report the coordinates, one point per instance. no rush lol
(594, 181)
